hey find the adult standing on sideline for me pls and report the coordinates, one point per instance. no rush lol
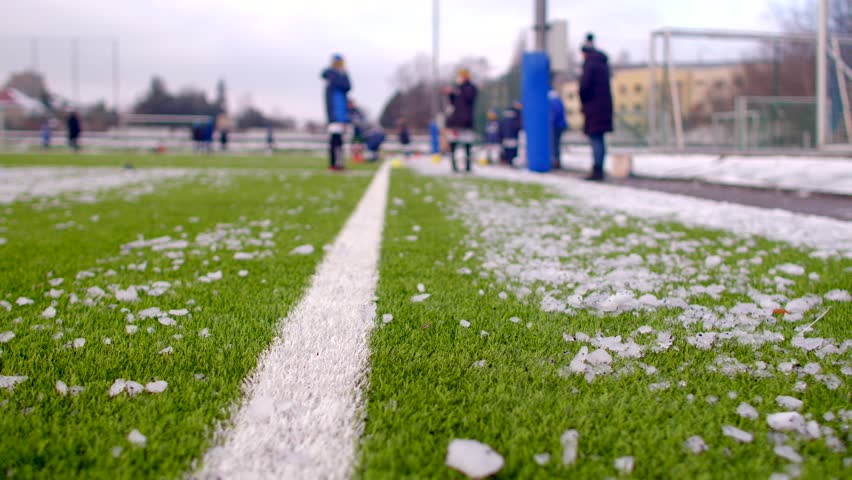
(462, 98)
(558, 125)
(404, 138)
(337, 86)
(74, 131)
(596, 97)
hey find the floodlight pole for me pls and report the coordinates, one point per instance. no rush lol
(34, 53)
(821, 74)
(652, 92)
(115, 74)
(75, 71)
(541, 25)
(436, 101)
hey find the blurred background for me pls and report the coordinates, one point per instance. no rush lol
(703, 74)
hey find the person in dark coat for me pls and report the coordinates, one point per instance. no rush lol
(462, 99)
(337, 86)
(492, 137)
(510, 130)
(558, 125)
(74, 131)
(596, 97)
(404, 137)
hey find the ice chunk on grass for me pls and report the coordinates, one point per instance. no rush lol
(156, 387)
(791, 269)
(695, 444)
(136, 438)
(6, 336)
(570, 441)
(61, 388)
(786, 422)
(9, 381)
(712, 261)
(421, 297)
(473, 458)
(49, 312)
(788, 453)
(790, 403)
(303, 250)
(117, 387)
(464, 323)
(737, 434)
(747, 411)
(167, 321)
(625, 464)
(133, 388)
(838, 296)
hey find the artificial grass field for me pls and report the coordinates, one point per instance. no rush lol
(269, 212)
(432, 379)
(428, 384)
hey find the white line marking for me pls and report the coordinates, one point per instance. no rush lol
(304, 411)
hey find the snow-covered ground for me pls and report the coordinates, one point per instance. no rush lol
(812, 174)
(18, 183)
(827, 236)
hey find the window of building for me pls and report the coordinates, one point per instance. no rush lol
(569, 111)
(637, 88)
(570, 95)
(637, 108)
(622, 108)
(719, 84)
(700, 82)
(622, 89)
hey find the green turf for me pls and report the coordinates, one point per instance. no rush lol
(45, 435)
(182, 160)
(425, 389)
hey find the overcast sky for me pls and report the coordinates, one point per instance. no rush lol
(271, 51)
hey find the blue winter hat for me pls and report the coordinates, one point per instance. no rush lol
(336, 57)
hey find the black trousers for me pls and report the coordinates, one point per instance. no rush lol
(335, 145)
(467, 155)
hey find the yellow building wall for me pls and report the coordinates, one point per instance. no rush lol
(696, 85)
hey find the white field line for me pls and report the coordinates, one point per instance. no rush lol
(828, 236)
(303, 414)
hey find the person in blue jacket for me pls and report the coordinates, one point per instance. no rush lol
(46, 132)
(558, 125)
(337, 86)
(510, 130)
(373, 138)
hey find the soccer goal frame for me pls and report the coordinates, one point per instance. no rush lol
(823, 54)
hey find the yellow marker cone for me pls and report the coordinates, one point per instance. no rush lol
(396, 163)
(483, 161)
(436, 158)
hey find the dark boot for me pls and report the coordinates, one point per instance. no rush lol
(596, 176)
